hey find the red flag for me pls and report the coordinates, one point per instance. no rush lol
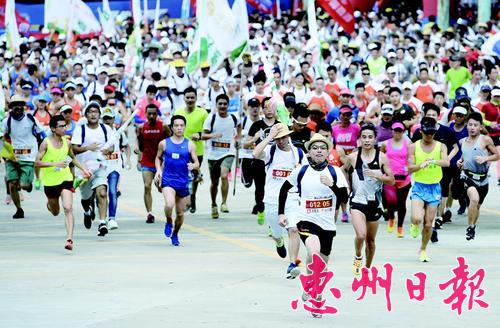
(341, 11)
(297, 4)
(22, 23)
(193, 7)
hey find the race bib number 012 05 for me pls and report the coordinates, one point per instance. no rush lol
(316, 205)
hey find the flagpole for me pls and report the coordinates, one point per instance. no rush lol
(240, 116)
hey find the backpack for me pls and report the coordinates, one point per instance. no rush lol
(273, 150)
(103, 130)
(303, 171)
(212, 121)
(39, 136)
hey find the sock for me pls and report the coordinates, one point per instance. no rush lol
(358, 257)
(102, 221)
(280, 243)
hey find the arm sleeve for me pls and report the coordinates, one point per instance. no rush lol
(282, 197)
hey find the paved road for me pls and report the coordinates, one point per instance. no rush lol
(225, 274)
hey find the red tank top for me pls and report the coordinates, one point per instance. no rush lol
(151, 136)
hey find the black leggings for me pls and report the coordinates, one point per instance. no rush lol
(253, 170)
(399, 205)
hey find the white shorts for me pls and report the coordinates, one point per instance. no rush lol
(272, 219)
(99, 178)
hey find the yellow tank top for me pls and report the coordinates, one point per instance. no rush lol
(433, 173)
(53, 176)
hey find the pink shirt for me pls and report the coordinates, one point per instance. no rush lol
(346, 138)
(141, 105)
(398, 161)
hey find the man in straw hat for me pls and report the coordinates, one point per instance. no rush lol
(321, 188)
(280, 159)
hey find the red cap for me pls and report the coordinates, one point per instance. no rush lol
(109, 88)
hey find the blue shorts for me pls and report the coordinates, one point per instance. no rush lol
(179, 192)
(430, 194)
(148, 169)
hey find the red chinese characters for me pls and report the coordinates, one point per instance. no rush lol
(313, 286)
(416, 291)
(366, 282)
(464, 288)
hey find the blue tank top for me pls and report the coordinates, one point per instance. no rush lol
(175, 160)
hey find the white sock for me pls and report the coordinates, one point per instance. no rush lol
(102, 221)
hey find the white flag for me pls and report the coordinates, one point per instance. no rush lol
(60, 15)
(107, 19)
(13, 40)
(240, 35)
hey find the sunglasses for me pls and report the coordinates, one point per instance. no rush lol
(298, 123)
(398, 130)
(429, 133)
(459, 115)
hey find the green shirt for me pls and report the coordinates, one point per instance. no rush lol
(456, 78)
(194, 124)
(376, 66)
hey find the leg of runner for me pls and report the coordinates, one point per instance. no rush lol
(214, 187)
(430, 214)
(180, 205)
(169, 197)
(197, 178)
(37, 178)
(67, 202)
(102, 201)
(359, 225)
(53, 205)
(417, 215)
(259, 175)
(371, 233)
(113, 180)
(14, 193)
(224, 173)
(473, 213)
(402, 195)
(147, 178)
(391, 199)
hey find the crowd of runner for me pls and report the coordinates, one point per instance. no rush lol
(396, 110)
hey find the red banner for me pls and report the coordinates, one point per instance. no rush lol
(22, 23)
(341, 11)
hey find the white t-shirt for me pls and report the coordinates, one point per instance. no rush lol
(246, 124)
(114, 161)
(278, 171)
(218, 148)
(317, 201)
(23, 141)
(92, 159)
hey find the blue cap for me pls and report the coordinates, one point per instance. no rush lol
(43, 97)
(461, 93)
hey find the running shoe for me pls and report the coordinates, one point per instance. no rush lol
(447, 216)
(293, 271)
(423, 256)
(8, 200)
(19, 214)
(390, 226)
(215, 212)
(38, 184)
(175, 240)
(345, 217)
(400, 232)
(414, 230)
(317, 315)
(461, 209)
(261, 218)
(434, 236)
(168, 229)
(112, 224)
(192, 207)
(438, 222)
(470, 233)
(223, 208)
(102, 230)
(280, 248)
(150, 218)
(255, 210)
(69, 245)
(356, 266)
(88, 218)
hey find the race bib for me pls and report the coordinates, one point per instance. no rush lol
(319, 205)
(280, 174)
(175, 156)
(22, 151)
(113, 156)
(220, 144)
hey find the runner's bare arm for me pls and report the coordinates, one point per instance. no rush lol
(192, 151)
(41, 152)
(207, 135)
(159, 156)
(444, 161)
(388, 177)
(490, 146)
(411, 160)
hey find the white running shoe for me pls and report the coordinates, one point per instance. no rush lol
(112, 225)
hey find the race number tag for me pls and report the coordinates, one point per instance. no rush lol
(22, 151)
(175, 156)
(318, 205)
(112, 156)
(219, 144)
(280, 174)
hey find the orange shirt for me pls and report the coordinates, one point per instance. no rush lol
(334, 158)
(424, 93)
(329, 88)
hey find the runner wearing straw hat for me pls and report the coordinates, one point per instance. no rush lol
(280, 159)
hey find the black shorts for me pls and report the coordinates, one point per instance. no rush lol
(372, 211)
(55, 191)
(496, 140)
(307, 228)
(481, 190)
(247, 172)
(445, 181)
(457, 184)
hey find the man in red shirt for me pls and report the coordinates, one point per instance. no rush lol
(491, 112)
(149, 136)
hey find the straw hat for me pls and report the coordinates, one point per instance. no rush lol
(318, 138)
(283, 131)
